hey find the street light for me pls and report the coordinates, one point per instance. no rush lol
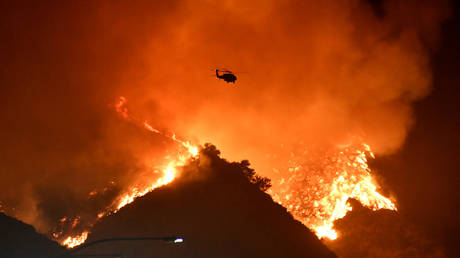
(172, 239)
(178, 240)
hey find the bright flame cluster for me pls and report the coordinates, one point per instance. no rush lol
(168, 171)
(318, 187)
(72, 241)
(164, 174)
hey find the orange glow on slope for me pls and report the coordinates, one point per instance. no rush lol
(71, 242)
(150, 128)
(167, 172)
(316, 191)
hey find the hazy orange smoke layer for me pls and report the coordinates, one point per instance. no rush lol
(313, 77)
(320, 73)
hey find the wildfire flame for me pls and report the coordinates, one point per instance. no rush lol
(71, 242)
(169, 171)
(317, 190)
(168, 174)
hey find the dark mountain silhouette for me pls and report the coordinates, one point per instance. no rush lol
(381, 234)
(220, 210)
(21, 240)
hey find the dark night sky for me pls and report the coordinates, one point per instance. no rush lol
(425, 173)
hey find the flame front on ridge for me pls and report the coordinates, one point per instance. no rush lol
(167, 171)
(315, 190)
(71, 242)
(318, 187)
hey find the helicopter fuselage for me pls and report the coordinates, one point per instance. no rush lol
(226, 76)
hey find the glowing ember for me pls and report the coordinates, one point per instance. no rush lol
(121, 109)
(316, 190)
(150, 128)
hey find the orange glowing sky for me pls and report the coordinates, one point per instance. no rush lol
(311, 75)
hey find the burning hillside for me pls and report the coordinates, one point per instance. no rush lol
(218, 208)
(322, 85)
(320, 183)
(316, 192)
(144, 183)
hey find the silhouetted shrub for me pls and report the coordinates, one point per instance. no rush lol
(263, 183)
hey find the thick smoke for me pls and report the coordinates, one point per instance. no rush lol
(308, 71)
(61, 137)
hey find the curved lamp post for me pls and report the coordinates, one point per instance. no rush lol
(164, 239)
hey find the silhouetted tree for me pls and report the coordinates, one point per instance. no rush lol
(263, 183)
(210, 150)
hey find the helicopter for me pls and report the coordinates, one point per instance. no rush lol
(227, 76)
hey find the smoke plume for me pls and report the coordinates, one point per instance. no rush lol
(315, 72)
(311, 72)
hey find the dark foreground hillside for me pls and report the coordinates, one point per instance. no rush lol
(217, 210)
(19, 240)
(384, 233)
